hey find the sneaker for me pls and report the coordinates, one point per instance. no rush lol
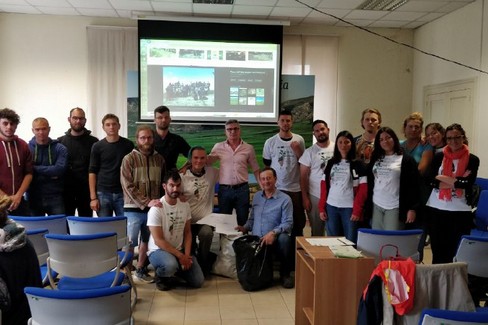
(142, 274)
(163, 284)
(287, 282)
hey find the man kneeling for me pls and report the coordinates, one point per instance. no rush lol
(271, 219)
(170, 241)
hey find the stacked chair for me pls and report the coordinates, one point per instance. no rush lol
(88, 226)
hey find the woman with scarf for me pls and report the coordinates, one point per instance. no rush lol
(452, 175)
(19, 268)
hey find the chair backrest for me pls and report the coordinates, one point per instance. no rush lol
(473, 250)
(82, 256)
(88, 226)
(482, 183)
(481, 214)
(40, 244)
(452, 317)
(107, 306)
(370, 242)
(56, 224)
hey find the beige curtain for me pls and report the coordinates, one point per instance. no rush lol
(112, 51)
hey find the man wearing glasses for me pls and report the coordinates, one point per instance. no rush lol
(79, 142)
(235, 157)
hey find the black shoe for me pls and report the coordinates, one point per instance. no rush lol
(164, 284)
(287, 282)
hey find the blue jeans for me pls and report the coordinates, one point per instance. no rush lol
(110, 203)
(167, 265)
(235, 198)
(137, 222)
(339, 223)
(283, 250)
(50, 205)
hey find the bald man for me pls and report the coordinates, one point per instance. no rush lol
(45, 193)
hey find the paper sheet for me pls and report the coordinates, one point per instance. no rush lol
(332, 241)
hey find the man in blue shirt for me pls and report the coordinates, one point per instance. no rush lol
(271, 219)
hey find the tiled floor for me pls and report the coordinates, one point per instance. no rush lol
(220, 301)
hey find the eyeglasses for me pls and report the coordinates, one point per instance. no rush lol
(232, 129)
(77, 118)
(144, 138)
(456, 138)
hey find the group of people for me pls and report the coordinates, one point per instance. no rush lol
(372, 180)
(375, 180)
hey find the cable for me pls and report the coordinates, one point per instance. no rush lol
(394, 41)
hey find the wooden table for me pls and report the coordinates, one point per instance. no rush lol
(327, 287)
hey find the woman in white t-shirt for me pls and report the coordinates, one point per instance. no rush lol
(343, 190)
(452, 175)
(393, 182)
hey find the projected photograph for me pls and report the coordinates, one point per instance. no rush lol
(192, 54)
(260, 56)
(235, 55)
(215, 55)
(162, 53)
(188, 86)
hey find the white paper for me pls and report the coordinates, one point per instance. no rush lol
(332, 241)
(223, 223)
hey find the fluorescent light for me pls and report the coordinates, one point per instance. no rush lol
(381, 5)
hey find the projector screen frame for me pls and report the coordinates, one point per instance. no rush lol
(213, 32)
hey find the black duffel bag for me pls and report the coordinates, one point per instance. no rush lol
(254, 263)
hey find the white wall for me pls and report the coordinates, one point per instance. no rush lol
(372, 72)
(458, 36)
(43, 67)
(43, 71)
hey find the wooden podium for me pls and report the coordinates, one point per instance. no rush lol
(327, 287)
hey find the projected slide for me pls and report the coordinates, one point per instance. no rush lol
(214, 81)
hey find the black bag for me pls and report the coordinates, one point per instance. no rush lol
(254, 263)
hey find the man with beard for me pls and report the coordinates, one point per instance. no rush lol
(16, 167)
(168, 144)
(312, 165)
(371, 123)
(282, 152)
(79, 142)
(140, 177)
(170, 241)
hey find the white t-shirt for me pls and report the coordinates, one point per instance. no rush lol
(341, 193)
(386, 192)
(284, 161)
(172, 219)
(200, 192)
(457, 203)
(316, 159)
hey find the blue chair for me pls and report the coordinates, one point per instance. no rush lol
(451, 317)
(371, 241)
(84, 261)
(40, 245)
(482, 183)
(107, 306)
(88, 226)
(56, 224)
(481, 214)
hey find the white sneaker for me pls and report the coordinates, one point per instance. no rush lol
(141, 274)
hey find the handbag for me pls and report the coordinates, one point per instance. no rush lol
(392, 257)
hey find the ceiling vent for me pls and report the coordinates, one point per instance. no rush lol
(217, 2)
(381, 5)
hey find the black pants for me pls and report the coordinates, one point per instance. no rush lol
(446, 229)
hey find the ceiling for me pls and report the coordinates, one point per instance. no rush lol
(413, 14)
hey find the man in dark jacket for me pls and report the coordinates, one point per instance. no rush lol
(79, 142)
(49, 157)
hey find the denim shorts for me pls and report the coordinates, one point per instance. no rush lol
(137, 222)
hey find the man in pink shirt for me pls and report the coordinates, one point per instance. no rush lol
(235, 157)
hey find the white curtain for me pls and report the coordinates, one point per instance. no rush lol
(112, 52)
(315, 55)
